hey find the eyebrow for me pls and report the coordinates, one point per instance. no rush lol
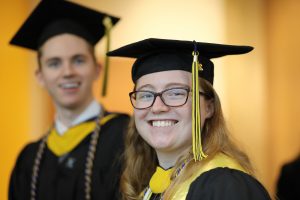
(166, 86)
(79, 56)
(52, 59)
(145, 86)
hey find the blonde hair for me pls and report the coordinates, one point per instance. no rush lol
(140, 159)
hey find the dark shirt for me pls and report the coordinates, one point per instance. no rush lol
(288, 186)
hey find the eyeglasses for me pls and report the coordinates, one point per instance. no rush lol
(173, 97)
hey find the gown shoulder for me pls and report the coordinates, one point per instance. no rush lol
(226, 184)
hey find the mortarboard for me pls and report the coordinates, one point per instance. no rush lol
(155, 55)
(53, 17)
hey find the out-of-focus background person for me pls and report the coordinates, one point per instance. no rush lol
(288, 183)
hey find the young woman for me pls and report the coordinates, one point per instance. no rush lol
(178, 146)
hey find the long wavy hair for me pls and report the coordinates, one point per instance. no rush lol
(141, 161)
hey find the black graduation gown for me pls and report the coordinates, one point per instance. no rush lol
(288, 185)
(64, 180)
(225, 184)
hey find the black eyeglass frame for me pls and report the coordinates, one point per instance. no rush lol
(156, 94)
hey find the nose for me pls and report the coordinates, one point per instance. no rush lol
(68, 70)
(159, 106)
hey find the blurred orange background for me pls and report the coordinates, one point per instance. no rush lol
(259, 91)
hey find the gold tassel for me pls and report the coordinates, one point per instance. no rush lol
(196, 119)
(108, 25)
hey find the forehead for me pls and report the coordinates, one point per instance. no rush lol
(165, 78)
(65, 44)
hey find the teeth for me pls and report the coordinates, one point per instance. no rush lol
(162, 123)
(69, 85)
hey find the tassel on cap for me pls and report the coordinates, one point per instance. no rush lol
(108, 25)
(196, 118)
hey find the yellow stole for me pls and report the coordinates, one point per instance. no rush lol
(220, 160)
(160, 180)
(160, 176)
(62, 144)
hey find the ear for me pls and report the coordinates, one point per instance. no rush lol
(210, 108)
(40, 77)
(98, 70)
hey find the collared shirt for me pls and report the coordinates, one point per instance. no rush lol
(91, 111)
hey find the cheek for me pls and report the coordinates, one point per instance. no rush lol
(140, 124)
(91, 71)
(186, 110)
(46, 80)
(187, 129)
(139, 118)
(50, 75)
(136, 120)
(185, 114)
(91, 75)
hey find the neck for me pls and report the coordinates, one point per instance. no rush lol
(168, 159)
(68, 115)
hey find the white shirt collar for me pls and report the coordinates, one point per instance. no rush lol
(93, 110)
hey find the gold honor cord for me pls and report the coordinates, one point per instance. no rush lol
(196, 118)
(108, 25)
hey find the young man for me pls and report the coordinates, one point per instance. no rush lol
(79, 156)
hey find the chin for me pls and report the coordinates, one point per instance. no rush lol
(69, 105)
(164, 149)
(161, 145)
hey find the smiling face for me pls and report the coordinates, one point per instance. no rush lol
(165, 128)
(68, 70)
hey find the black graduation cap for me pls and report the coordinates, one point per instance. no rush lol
(53, 17)
(154, 55)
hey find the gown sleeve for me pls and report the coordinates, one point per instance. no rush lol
(226, 184)
(19, 185)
